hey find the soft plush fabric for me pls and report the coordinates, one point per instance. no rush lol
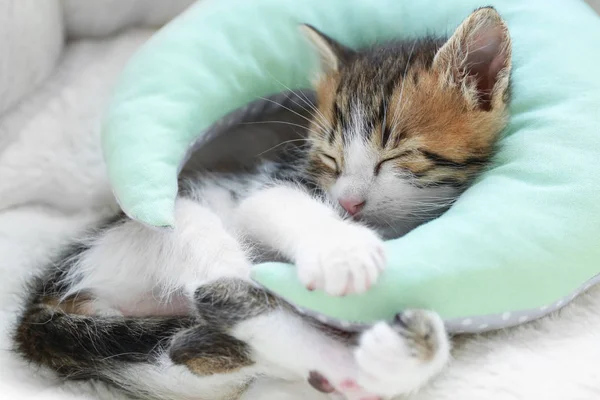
(520, 243)
(23, 66)
(67, 106)
(99, 18)
(32, 36)
(555, 358)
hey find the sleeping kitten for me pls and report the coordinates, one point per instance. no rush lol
(400, 131)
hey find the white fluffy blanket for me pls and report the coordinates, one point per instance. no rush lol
(52, 183)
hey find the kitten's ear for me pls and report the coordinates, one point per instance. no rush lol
(332, 53)
(477, 58)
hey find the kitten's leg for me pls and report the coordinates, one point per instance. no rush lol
(208, 350)
(331, 254)
(390, 359)
(279, 340)
(161, 262)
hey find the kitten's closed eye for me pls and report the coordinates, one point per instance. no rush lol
(380, 164)
(330, 162)
(388, 159)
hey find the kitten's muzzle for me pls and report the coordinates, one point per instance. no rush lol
(352, 205)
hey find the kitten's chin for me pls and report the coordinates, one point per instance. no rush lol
(390, 229)
(388, 233)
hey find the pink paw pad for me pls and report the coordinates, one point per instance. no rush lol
(349, 384)
(320, 383)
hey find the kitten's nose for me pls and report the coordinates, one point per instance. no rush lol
(352, 205)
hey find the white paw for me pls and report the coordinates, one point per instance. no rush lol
(346, 258)
(398, 358)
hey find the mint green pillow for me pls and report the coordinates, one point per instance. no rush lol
(521, 242)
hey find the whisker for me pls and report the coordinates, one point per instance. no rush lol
(284, 123)
(281, 144)
(314, 112)
(292, 111)
(387, 223)
(302, 96)
(316, 109)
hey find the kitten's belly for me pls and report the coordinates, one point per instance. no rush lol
(149, 305)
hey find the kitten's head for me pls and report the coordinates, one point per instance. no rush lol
(401, 129)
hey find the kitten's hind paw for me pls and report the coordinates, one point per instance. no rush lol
(347, 390)
(401, 357)
(205, 350)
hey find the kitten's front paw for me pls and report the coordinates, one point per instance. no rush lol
(346, 259)
(401, 357)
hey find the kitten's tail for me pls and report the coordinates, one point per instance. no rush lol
(80, 346)
(67, 337)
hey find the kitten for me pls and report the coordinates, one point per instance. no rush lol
(173, 315)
